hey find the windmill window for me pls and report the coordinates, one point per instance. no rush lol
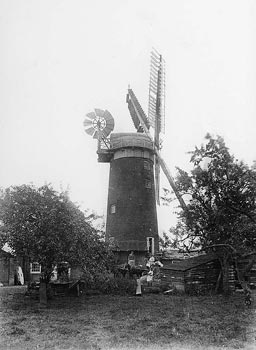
(35, 267)
(113, 209)
(148, 184)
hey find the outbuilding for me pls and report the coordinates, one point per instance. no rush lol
(193, 275)
(7, 268)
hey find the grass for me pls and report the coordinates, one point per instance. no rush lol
(126, 322)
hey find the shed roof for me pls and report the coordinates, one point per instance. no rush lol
(189, 263)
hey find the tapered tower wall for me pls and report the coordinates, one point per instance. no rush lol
(131, 211)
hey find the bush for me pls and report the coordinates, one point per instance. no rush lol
(108, 284)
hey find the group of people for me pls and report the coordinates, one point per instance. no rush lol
(152, 265)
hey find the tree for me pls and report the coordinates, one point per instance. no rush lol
(45, 226)
(221, 203)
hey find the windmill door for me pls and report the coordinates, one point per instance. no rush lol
(151, 245)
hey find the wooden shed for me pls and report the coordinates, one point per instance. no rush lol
(193, 275)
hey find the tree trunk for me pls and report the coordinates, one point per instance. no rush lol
(218, 282)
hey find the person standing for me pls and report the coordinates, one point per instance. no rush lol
(131, 259)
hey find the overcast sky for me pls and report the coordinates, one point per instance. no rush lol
(60, 59)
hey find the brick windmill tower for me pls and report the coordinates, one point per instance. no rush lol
(135, 162)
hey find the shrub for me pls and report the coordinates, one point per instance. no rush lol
(108, 284)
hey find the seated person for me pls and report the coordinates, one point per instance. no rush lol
(153, 271)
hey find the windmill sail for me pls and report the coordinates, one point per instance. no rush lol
(156, 106)
(156, 100)
(131, 107)
(157, 180)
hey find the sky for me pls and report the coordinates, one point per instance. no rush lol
(60, 59)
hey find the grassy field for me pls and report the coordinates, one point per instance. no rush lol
(126, 322)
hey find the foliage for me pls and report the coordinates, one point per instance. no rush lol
(221, 201)
(221, 194)
(97, 222)
(45, 226)
(106, 283)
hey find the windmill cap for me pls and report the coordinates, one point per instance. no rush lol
(122, 140)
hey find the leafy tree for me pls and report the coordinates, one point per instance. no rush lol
(45, 226)
(221, 204)
(97, 222)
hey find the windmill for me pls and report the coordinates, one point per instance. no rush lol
(131, 209)
(134, 170)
